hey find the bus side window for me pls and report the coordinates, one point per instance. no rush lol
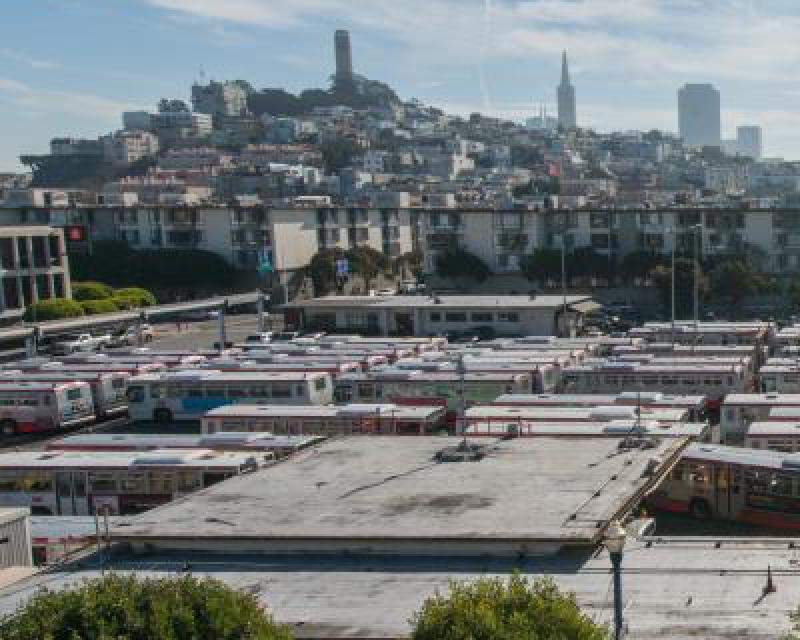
(135, 394)
(677, 472)
(157, 391)
(300, 390)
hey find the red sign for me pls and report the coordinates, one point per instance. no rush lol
(75, 233)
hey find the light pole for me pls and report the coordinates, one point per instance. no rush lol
(564, 274)
(698, 248)
(671, 232)
(614, 541)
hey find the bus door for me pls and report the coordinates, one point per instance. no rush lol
(71, 493)
(723, 497)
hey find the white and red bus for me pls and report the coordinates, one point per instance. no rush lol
(488, 414)
(739, 410)
(282, 365)
(82, 483)
(352, 419)
(775, 435)
(30, 407)
(755, 486)
(132, 369)
(695, 405)
(108, 388)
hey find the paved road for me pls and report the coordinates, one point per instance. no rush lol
(203, 335)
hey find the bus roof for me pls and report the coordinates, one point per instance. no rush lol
(348, 411)
(187, 458)
(774, 428)
(415, 375)
(213, 375)
(614, 428)
(222, 441)
(43, 385)
(763, 458)
(790, 399)
(577, 414)
(645, 398)
(66, 375)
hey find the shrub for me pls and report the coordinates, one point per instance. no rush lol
(94, 307)
(137, 296)
(90, 291)
(53, 309)
(493, 608)
(124, 606)
(456, 262)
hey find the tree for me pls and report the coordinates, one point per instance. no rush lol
(136, 296)
(368, 263)
(735, 280)
(639, 264)
(124, 606)
(276, 102)
(91, 291)
(456, 262)
(338, 153)
(542, 265)
(684, 286)
(322, 270)
(94, 307)
(166, 105)
(53, 309)
(491, 608)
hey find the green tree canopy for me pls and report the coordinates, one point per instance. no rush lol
(684, 286)
(542, 264)
(94, 307)
(456, 262)
(736, 279)
(91, 291)
(338, 153)
(118, 607)
(53, 309)
(492, 609)
(368, 263)
(639, 264)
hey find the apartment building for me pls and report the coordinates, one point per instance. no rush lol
(34, 267)
(126, 147)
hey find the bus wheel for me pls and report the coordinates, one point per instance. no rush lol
(8, 427)
(162, 416)
(699, 509)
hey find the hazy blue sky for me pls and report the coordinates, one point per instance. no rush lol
(69, 67)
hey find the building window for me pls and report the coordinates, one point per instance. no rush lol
(436, 317)
(508, 316)
(482, 317)
(454, 316)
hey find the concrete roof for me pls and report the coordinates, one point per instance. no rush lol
(445, 301)
(389, 493)
(673, 588)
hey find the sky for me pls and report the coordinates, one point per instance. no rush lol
(70, 67)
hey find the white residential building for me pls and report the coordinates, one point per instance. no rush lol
(126, 147)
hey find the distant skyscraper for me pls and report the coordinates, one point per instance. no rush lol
(699, 115)
(566, 98)
(748, 141)
(344, 58)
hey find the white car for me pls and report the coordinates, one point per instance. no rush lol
(81, 342)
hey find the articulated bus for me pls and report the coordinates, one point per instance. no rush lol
(187, 395)
(281, 365)
(695, 405)
(352, 419)
(637, 430)
(108, 389)
(732, 483)
(425, 388)
(30, 407)
(487, 414)
(131, 369)
(82, 483)
(712, 381)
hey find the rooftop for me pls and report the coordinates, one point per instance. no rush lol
(461, 302)
(673, 588)
(391, 494)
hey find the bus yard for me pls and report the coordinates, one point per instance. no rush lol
(93, 418)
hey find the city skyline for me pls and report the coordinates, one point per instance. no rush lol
(626, 61)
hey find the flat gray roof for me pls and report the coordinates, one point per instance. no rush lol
(461, 302)
(388, 494)
(673, 588)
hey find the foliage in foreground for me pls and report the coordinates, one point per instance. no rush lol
(123, 607)
(53, 309)
(493, 609)
(455, 262)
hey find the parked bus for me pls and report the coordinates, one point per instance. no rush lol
(167, 359)
(780, 375)
(282, 365)
(775, 435)
(732, 483)
(349, 419)
(425, 388)
(739, 410)
(266, 446)
(695, 405)
(101, 367)
(30, 407)
(713, 381)
(636, 430)
(188, 394)
(108, 389)
(488, 414)
(81, 483)
(719, 333)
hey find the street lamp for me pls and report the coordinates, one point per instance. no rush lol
(674, 235)
(564, 273)
(614, 541)
(698, 248)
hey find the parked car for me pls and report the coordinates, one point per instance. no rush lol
(130, 336)
(81, 342)
(259, 338)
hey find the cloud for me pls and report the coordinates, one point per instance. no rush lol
(35, 63)
(50, 101)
